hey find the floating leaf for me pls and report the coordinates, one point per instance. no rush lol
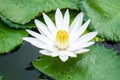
(23, 11)
(31, 24)
(105, 17)
(14, 25)
(10, 38)
(98, 64)
(1, 77)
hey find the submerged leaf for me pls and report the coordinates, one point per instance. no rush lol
(98, 64)
(23, 11)
(10, 38)
(105, 17)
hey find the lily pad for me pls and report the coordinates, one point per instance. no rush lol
(10, 38)
(14, 25)
(98, 64)
(105, 17)
(31, 24)
(23, 11)
(1, 77)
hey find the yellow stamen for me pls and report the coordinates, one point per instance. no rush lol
(62, 39)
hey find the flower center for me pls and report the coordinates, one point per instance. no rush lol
(62, 39)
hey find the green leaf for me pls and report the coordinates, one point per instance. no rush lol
(1, 77)
(23, 11)
(31, 24)
(10, 38)
(14, 25)
(105, 17)
(98, 64)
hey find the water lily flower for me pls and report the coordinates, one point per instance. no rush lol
(61, 39)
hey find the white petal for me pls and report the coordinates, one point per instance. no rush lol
(39, 24)
(43, 29)
(69, 53)
(54, 54)
(34, 42)
(63, 52)
(66, 20)
(40, 37)
(40, 44)
(76, 23)
(63, 57)
(87, 37)
(79, 51)
(79, 46)
(80, 31)
(59, 19)
(51, 48)
(50, 24)
(45, 52)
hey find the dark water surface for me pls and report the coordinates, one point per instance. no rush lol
(17, 64)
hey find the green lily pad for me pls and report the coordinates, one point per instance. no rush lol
(98, 64)
(105, 17)
(10, 38)
(1, 77)
(14, 25)
(31, 24)
(23, 11)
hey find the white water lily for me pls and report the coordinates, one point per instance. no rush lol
(60, 39)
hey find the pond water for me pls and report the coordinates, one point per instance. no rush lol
(16, 65)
